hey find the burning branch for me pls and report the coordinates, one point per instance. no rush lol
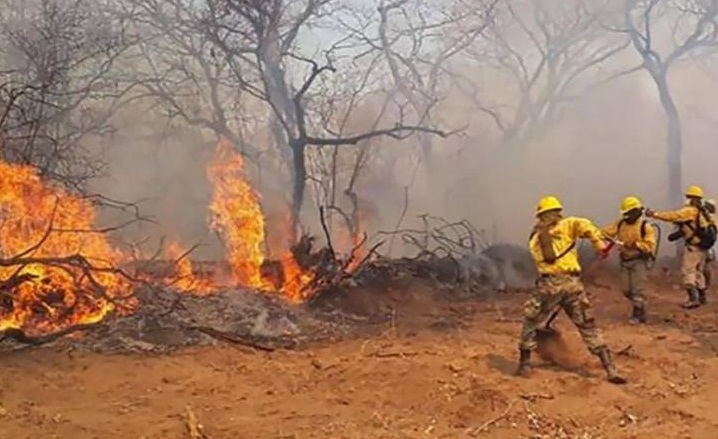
(70, 274)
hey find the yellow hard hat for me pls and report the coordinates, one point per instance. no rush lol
(694, 191)
(548, 203)
(630, 203)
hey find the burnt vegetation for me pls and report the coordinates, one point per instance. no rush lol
(328, 103)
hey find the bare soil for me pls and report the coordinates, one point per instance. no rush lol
(442, 368)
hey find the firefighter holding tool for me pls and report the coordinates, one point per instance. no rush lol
(637, 243)
(553, 247)
(698, 231)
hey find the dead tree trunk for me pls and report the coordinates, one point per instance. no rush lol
(674, 138)
(299, 171)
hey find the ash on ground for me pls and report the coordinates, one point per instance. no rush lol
(166, 320)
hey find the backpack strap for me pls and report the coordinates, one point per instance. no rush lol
(702, 211)
(566, 251)
(643, 228)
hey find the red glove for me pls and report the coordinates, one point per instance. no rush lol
(603, 254)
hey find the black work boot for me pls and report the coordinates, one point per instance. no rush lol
(702, 297)
(612, 374)
(638, 316)
(524, 368)
(693, 299)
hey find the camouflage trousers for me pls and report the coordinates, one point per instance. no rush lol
(568, 293)
(693, 264)
(634, 276)
(708, 268)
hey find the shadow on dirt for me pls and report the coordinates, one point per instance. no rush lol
(552, 349)
(507, 367)
(502, 364)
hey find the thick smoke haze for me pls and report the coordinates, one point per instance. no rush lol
(610, 144)
(327, 71)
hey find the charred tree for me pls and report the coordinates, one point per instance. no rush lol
(695, 30)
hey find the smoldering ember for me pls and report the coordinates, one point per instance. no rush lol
(358, 219)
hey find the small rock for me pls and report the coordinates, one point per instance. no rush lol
(456, 368)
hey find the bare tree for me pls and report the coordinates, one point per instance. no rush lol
(177, 65)
(417, 40)
(694, 30)
(256, 43)
(56, 84)
(550, 52)
(336, 172)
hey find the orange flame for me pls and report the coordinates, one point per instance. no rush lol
(237, 216)
(59, 225)
(184, 278)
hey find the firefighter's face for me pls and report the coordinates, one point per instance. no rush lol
(632, 215)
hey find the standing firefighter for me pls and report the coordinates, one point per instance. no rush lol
(553, 248)
(710, 206)
(696, 228)
(636, 239)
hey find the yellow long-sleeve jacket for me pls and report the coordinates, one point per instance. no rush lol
(685, 217)
(564, 235)
(634, 245)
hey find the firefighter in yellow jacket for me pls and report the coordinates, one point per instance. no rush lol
(637, 246)
(553, 247)
(692, 220)
(710, 206)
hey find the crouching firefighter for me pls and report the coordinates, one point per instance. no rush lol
(553, 247)
(698, 231)
(637, 243)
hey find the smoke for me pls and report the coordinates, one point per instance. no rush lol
(606, 144)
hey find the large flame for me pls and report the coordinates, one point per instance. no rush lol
(237, 216)
(47, 226)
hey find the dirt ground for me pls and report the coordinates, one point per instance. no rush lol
(441, 369)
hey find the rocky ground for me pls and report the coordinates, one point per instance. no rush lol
(437, 364)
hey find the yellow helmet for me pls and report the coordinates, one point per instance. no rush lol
(694, 191)
(548, 203)
(630, 203)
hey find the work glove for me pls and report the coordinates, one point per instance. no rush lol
(603, 254)
(649, 213)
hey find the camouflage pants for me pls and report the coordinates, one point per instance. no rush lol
(568, 293)
(693, 265)
(708, 268)
(634, 276)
